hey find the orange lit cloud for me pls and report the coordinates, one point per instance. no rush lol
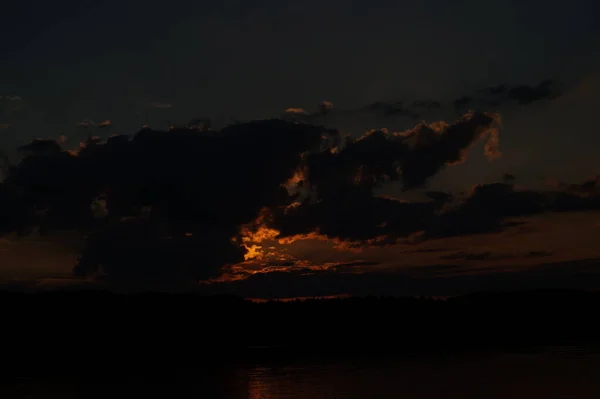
(299, 111)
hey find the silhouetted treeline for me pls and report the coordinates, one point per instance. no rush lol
(69, 329)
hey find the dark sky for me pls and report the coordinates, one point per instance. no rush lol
(148, 62)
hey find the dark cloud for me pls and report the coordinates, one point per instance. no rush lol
(392, 108)
(508, 178)
(442, 280)
(160, 105)
(576, 197)
(494, 90)
(439, 196)
(521, 94)
(338, 185)
(482, 99)
(588, 188)
(11, 98)
(431, 104)
(179, 204)
(355, 220)
(485, 210)
(41, 147)
(491, 256)
(525, 94)
(11, 109)
(384, 109)
(174, 200)
(411, 157)
(462, 101)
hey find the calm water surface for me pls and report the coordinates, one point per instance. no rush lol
(553, 373)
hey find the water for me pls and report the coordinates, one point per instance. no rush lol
(556, 373)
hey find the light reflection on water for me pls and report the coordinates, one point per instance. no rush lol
(560, 373)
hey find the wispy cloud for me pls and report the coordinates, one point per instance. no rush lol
(11, 98)
(161, 105)
(86, 123)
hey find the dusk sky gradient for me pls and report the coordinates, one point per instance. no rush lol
(67, 67)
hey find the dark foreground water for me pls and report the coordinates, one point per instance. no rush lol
(549, 373)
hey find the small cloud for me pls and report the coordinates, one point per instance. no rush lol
(4, 126)
(11, 98)
(538, 254)
(391, 108)
(297, 111)
(462, 101)
(526, 94)
(86, 123)
(161, 105)
(508, 178)
(427, 104)
(325, 108)
(494, 90)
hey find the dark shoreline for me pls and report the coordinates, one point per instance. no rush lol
(91, 330)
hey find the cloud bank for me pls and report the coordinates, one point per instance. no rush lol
(181, 204)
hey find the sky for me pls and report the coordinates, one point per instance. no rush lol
(79, 69)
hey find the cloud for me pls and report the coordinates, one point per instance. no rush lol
(490, 256)
(11, 98)
(588, 188)
(508, 178)
(174, 200)
(521, 94)
(483, 99)
(41, 148)
(296, 111)
(160, 105)
(86, 123)
(324, 109)
(337, 202)
(431, 104)
(355, 220)
(412, 156)
(183, 203)
(525, 94)
(11, 111)
(433, 280)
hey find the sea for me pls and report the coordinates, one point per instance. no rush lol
(549, 373)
